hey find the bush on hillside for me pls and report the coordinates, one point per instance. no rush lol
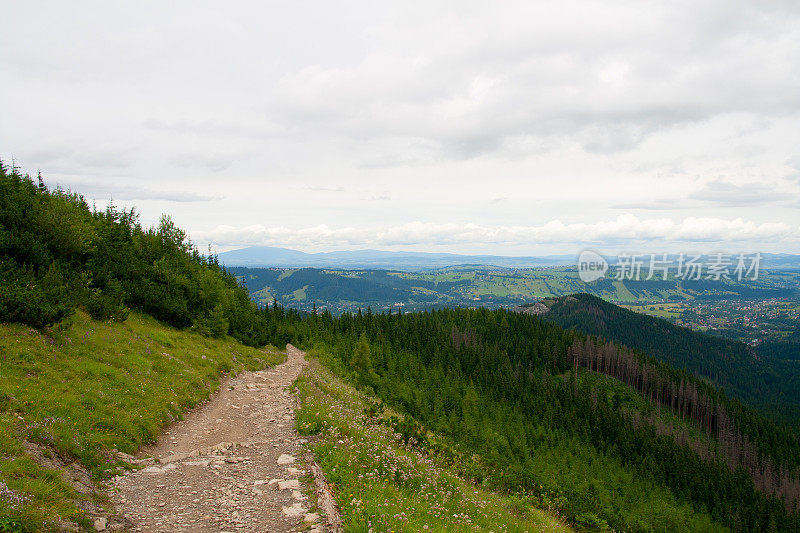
(56, 253)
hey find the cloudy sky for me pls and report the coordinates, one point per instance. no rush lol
(512, 127)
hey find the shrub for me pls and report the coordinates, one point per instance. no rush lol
(212, 324)
(107, 304)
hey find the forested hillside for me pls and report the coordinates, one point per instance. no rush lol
(606, 435)
(57, 254)
(771, 385)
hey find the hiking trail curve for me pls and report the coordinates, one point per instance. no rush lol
(232, 464)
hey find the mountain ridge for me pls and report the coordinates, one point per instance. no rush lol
(274, 256)
(768, 385)
(285, 257)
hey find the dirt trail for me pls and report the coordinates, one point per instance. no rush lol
(228, 466)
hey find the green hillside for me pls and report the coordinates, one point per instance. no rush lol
(387, 483)
(109, 332)
(482, 286)
(603, 434)
(769, 384)
(85, 388)
(57, 254)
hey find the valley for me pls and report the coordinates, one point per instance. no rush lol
(317, 267)
(474, 407)
(340, 290)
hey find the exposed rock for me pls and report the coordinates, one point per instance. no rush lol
(294, 510)
(325, 499)
(291, 484)
(285, 459)
(536, 309)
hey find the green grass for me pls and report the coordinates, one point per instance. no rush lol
(286, 273)
(88, 387)
(660, 310)
(263, 296)
(300, 294)
(382, 484)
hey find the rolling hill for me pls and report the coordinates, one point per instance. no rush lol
(343, 290)
(768, 384)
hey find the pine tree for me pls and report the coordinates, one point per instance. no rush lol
(362, 361)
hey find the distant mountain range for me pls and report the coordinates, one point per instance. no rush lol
(270, 256)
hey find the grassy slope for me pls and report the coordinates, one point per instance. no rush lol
(89, 387)
(568, 471)
(384, 485)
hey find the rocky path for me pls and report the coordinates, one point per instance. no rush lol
(231, 465)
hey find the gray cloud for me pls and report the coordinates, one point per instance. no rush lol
(728, 194)
(794, 164)
(90, 158)
(114, 189)
(654, 205)
(570, 112)
(214, 127)
(325, 189)
(213, 162)
(378, 198)
(611, 97)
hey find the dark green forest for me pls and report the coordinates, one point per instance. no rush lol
(57, 253)
(513, 388)
(767, 383)
(608, 430)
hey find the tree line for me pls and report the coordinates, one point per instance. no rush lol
(772, 470)
(513, 388)
(58, 254)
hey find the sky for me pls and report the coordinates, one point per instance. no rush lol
(473, 127)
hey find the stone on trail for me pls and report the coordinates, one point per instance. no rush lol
(285, 459)
(290, 484)
(294, 510)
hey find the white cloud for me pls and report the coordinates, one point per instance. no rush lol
(420, 111)
(105, 191)
(726, 193)
(625, 228)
